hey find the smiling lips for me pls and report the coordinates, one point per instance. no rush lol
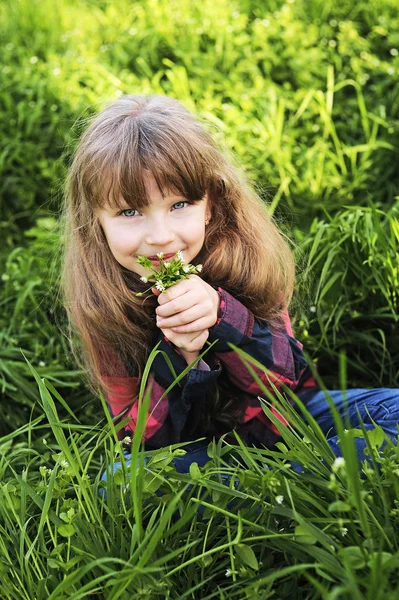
(165, 257)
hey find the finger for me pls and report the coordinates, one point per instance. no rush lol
(177, 305)
(190, 343)
(198, 325)
(198, 342)
(155, 291)
(174, 292)
(194, 344)
(181, 318)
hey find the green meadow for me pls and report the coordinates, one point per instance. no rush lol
(305, 96)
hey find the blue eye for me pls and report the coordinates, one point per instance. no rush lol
(128, 210)
(181, 204)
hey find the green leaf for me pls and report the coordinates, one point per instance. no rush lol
(195, 473)
(66, 530)
(353, 557)
(376, 437)
(339, 506)
(303, 536)
(247, 556)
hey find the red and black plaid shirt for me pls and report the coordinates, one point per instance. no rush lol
(275, 348)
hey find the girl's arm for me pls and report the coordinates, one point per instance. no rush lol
(168, 413)
(272, 345)
(193, 304)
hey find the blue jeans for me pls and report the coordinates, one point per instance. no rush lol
(380, 405)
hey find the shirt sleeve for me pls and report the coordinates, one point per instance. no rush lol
(272, 345)
(168, 412)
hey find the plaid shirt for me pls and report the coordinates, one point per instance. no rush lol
(274, 348)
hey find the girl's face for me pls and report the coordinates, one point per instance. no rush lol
(167, 225)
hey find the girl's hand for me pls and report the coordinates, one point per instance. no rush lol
(188, 306)
(185, 313)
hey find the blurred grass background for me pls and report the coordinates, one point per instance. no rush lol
(305, 95)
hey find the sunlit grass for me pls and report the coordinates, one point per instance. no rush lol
(305, 96)
(245, 523)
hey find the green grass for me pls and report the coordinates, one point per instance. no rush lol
(304, 94)
(244, 526)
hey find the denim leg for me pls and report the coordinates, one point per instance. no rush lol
(380, 405)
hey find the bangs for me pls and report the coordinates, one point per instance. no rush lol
(178, 167)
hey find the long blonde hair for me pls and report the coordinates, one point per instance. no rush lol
(244, 252)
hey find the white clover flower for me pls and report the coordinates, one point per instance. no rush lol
(339, 463)
(199, 268)
(180, 255)
(186, 269)
(144, 279)
(160, 255)
(279, 499)
(159, 286)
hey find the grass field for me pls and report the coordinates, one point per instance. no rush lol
(303, 94)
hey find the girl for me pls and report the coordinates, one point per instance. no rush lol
(148, 179)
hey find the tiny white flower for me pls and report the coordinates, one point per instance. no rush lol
(199, 268)
(33, 60)
(64, 464)
(180, 255)
(42, 363)
(127, 440)
(228, 573)
(144, 279)
(312, 309)
(159, 286)
(344, 531)
(166, 264)
(339, 463)
(279, 499)
(160, 255)
(186, 269)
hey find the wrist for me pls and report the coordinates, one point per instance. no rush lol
(189, 357)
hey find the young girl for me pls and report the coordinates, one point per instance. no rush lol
(148, 179)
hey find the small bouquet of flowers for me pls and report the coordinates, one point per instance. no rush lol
(170, 272)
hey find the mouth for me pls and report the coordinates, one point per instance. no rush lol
(165, 257)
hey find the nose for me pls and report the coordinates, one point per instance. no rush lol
(159, 233)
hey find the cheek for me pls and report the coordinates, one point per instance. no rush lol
(195, 231)
(122, 243)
